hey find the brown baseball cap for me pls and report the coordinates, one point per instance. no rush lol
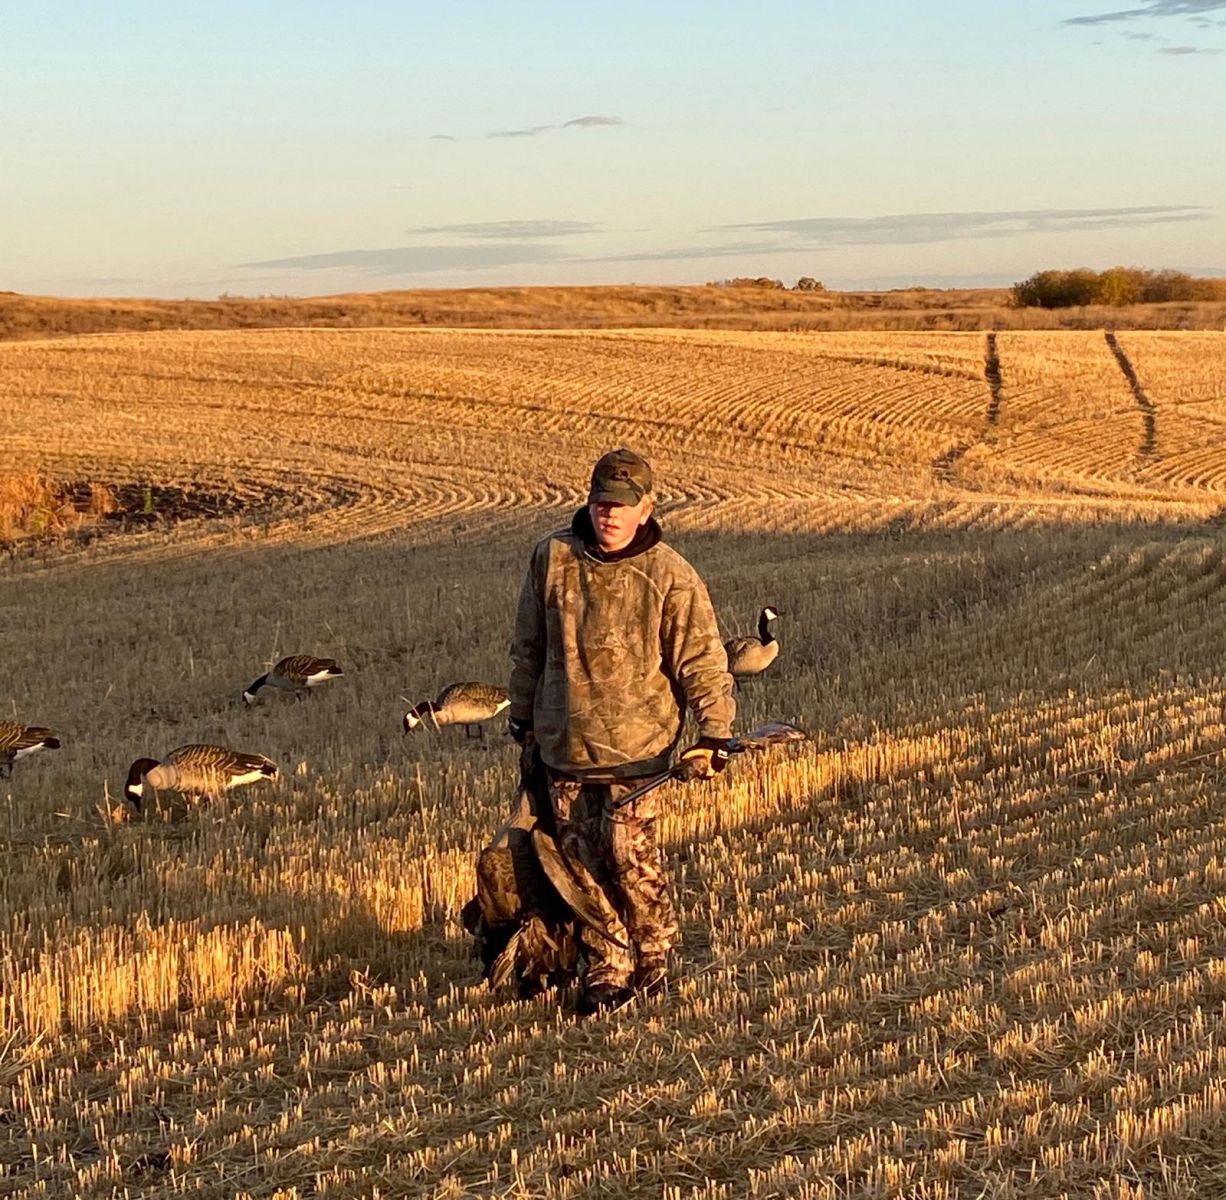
(620, 477)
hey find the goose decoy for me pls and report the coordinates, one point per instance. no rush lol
(197, 770)
(466, 704)
(297, 673)
(20, 741)
(749, 656)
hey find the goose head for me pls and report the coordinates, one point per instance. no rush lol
(134, 786)
(417, 715)
(250, 694)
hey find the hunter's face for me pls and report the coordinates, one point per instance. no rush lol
(616, 524)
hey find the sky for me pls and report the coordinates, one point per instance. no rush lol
(175, 149)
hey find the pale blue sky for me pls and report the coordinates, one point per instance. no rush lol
(180, 149)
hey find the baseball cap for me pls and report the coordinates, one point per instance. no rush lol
(621, 477)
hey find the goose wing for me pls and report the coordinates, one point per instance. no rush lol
(754, 657)
(737, 646)
(576, 886)
(220, 762)
(10, 731)
(497, 887)
(15, 737)
(299, 668)
(480, 694)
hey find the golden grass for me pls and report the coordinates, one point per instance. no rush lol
(34, 506)
(594, 308)
(968, 943)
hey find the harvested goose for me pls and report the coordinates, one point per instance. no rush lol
(525, 934)
(20, 741)
(748, 656)
(197, 770)
(466, 704)
(297, 673)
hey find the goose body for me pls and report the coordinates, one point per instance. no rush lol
(748, 656)
(198, 770)
(297, 673)
(20, 741)
(466, 704)
(525, 933)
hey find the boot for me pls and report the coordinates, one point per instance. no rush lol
(651, 975)
(602, 998)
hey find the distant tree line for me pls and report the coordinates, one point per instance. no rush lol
(806, 283)
(1116, 286)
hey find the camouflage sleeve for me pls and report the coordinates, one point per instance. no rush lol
(694, 656)
(528, 642)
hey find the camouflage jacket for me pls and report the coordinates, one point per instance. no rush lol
(609, 651)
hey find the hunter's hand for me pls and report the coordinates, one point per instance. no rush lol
(519, 729)
(705, 759)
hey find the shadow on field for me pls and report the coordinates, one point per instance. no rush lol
(880, 631)
(882, 634)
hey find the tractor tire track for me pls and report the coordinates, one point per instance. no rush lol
(945, 466)
(991, 372)
(1149, 413)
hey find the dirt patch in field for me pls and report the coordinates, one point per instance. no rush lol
(142, 504)
(36, 511)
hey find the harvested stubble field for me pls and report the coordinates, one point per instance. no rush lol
(969, 943)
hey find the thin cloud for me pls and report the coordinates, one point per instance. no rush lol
(1188, 50)
(905, 229)
(532, 131)
(591, 122)
(732, 250)
(1151, 8)
(410, 260)
(509, 230)
(441, 137)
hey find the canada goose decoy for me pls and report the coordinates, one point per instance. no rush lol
(20, 741)
(197, 770)
(297, 673)
(466, 704)
(749, 656)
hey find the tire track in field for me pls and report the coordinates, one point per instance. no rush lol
(991, 372)
(1149, 413)
(945, 466)
(423, 459)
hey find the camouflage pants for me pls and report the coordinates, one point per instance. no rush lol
(619, 848)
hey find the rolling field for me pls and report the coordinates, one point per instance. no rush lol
(969, 942)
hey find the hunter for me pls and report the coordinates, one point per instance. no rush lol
(614, 637)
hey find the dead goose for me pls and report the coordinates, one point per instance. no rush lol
(525, 934)
(466, 704)
(748, 656)
(297, 673)
(20, 741)
(197, 770)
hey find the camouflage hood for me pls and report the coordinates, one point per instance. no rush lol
(610, 650)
